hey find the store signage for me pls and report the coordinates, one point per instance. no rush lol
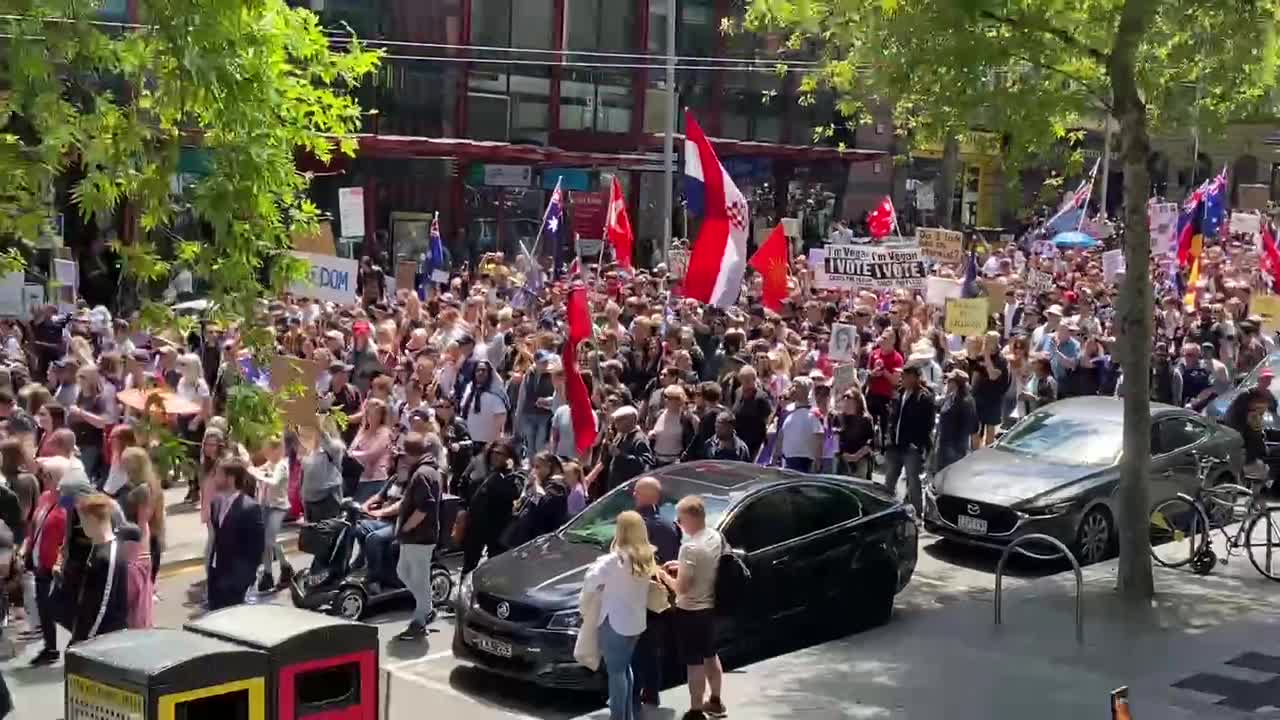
(569, 179)
(508, 175)
(589, 210)
(333, 279)
(850, 267)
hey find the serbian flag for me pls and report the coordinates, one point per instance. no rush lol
(771, 261)
(1269, 256)
(581, 413)
(618, 226)
(881, 220)
(719, 255)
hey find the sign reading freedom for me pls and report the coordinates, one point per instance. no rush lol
(848, 267)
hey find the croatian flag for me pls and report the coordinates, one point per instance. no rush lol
(719, 255)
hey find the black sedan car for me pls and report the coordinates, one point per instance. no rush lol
(811, 542)
(1057, 472)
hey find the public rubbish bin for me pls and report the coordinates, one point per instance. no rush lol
(164, 675)
(317, 665)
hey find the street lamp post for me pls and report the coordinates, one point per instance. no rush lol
(669, 142)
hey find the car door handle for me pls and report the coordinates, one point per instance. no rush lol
(780, 562)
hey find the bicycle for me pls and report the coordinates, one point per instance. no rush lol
(1180, 526)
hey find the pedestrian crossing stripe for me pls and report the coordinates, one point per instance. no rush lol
(91, 700)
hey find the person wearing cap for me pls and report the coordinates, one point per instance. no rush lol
(626, 451)
(910, 435)
(957, 420)
(1043, 335)
(535, 404)
(465, 364)
(344, 396)
(363, 357)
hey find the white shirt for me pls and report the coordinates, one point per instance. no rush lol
(624, 597)
(797, 433)
(483, 424)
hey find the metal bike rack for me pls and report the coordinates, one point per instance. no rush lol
(1075, 565)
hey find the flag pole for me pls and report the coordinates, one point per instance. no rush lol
(538, 240)
(1093, 176)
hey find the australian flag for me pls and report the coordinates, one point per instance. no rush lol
(552, 221)
(1215, 205)
(434, 261)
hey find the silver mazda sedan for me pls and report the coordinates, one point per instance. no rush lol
(1056, 472)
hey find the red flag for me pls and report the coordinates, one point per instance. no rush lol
(575, 267)
(618, 226)
(881, 220)
(771, 261)
(580, 410)
(1269, 260)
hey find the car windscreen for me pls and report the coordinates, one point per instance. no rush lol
(595, 525)
(1065, 439)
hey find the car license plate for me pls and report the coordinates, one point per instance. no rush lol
(492, 646)
(972, 524)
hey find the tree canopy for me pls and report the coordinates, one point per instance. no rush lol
(248, 84)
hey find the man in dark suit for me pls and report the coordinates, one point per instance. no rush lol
(664, 535)
(909, 435)
(237, 538)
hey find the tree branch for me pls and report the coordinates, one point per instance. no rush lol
(1062, 35)
(1092, 89)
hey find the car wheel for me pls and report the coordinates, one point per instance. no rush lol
(441, 587)
(1095, 536)
(350, 603)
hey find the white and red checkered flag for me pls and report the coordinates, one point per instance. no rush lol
(882, 220)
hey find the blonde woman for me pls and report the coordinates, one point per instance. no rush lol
(143, 505)
(622, 578)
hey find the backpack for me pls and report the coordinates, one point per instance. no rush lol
(733, 582)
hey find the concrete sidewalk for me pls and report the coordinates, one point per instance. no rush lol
(185, 534)
(1208, 647)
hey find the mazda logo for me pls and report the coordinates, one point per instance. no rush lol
(971, 508)
(504, 610)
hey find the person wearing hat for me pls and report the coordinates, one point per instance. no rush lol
(957, 420)
(626, 451)
(344, 396)
(1043, 335)
(925, 357)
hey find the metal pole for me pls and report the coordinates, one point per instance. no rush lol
(1106, 165)
(669, 142)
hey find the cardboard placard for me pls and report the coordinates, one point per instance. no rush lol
(844, 342)
(942, 245)
(678, 263)
(1268, 308)
(1039, 281)
(66, 275)
(966, 316)
(351, 211)
(851, 267)
(406, 274)
(1162, 221)
(1253, 197)
(845, 377)
(287, 371)
(318, 243)
(1246, 223)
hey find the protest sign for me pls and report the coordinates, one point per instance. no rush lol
(406, 274)
(12, 294)
(845, 377)
(1039, 281)
(1246, 223)
(849, 267)
(966, 316)
(937, 290)
(1162, 220)
(319, 242)
(333, 279)
(1099, 228)
(941, 245)
(32, 298)
(1112, 264)
(287, 372)
(678, 263)
(351, 211)
(1268, 308)
(844, 342)
(66, 276)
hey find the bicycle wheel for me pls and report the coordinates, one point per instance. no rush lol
(1262, 541)
(1179, 532)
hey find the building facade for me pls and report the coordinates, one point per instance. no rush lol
(481, 106)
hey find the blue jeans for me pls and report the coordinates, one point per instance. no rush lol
(377, 536)
(616, 650)
(534, 431)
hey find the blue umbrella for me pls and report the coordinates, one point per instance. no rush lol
(1074, 239)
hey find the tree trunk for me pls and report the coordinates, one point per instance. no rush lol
(946, 190)
(1134, 307)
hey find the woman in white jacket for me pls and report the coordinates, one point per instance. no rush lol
(273, 496)
(622, 578)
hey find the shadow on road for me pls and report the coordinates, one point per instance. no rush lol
(985, 560)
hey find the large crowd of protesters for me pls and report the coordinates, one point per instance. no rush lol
(460, 391)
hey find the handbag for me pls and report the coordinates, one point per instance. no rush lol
(659, 599)
(458, 532)
(586, 649)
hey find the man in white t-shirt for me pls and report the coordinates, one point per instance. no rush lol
(801, 434)
(694, 584)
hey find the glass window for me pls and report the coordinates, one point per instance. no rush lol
(595, 524)
(582, 24)
(817, 507)
(764, 522)
(1066, 439)
(658, 26)
(534, 26)
(697, 33)
(530, 100)
(491, 22)
(1173, 435)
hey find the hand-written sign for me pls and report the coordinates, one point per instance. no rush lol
(1268, 308)
(967, 316)
(941, 245)
(848, 267)
(1039, 281)
(333, 279)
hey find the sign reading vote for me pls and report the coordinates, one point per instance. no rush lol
(847, 267)
(333, 279)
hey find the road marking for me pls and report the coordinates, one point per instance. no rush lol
(415, 661)
(451, 691)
